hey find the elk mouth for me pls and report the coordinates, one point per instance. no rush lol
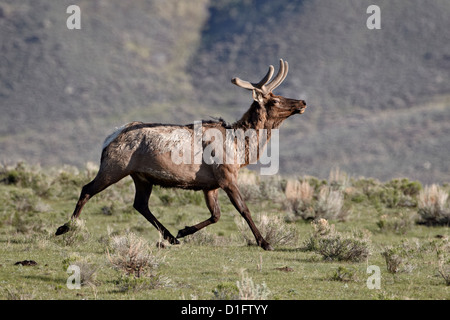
(300, 110)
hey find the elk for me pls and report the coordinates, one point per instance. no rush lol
(143, 151)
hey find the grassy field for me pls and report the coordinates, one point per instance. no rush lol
(364, 223)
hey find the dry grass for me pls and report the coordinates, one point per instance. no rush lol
(330, 204)
(299, 191)
(246, 177)
(302, 201)
(205, 238)
(299, 198)
(88, 273)
(322, 228)
(78, 233)
(444, 271)
(345, 274)
(249, 185)
(443, 252)
(138, 265)
(399, 222)
(433, 208)
(333, 245)
(132, 255)
(248, 290)
(273, 228)
(18, 293)
(393, 259)
(338, 178)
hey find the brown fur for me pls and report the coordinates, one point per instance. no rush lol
(143, 151)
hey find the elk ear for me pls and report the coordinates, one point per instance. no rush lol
(258, 96)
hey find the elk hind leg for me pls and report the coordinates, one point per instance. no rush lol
(100, 183)
(143, 192)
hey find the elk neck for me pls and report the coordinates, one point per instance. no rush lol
(256, 118)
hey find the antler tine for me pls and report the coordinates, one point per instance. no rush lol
(282, 73)
(252, 86)
(286, 70)
(266, 78)
(243, 84)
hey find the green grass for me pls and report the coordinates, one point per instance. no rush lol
(35, 203)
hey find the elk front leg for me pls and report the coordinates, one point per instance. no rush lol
(236, 198)
(212, 202)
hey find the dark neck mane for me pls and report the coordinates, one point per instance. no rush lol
(254, 118)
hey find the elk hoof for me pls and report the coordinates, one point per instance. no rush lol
(186, 231)
(61, 230)
(266, 246)
(173, 241)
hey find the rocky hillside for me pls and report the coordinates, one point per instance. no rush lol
(378, 99)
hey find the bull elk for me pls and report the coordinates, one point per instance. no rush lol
(143, 151)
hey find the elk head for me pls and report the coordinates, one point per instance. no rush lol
(277, 108)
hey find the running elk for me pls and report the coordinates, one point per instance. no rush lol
(147, 152)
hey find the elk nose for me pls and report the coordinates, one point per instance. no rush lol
(302, 104)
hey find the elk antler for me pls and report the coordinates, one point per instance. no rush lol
(262, 86)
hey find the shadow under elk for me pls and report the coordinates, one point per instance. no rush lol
(145, 152)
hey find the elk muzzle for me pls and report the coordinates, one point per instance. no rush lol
(300, 107)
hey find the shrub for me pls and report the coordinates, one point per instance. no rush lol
(299, 198)
(19, 293)
(248, 290)
(393, 194)
(250, 192)
(444, 271)
(397, 258)
(299, 191)
(433, 209)
(129, 282)
(249, 185)
(399, 222)
(358, 197)
(185, 197)
(88, 272)
(393, 259)
(20, 175)
(26, 201)
(166, 199)
(338, 179)
(171, 197)
(28, 224)
(270, 188)
(273, 228)
(205, 238)
(321, 229)
(330, 204)
(226, 291)
(407, 188)
(253, 187)
(343, 248)
(302, 201)
(11, 177)
(132, 255)
(77, 233)
(247, 177)
(333, 245)
(444, 262)
(344, 274)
